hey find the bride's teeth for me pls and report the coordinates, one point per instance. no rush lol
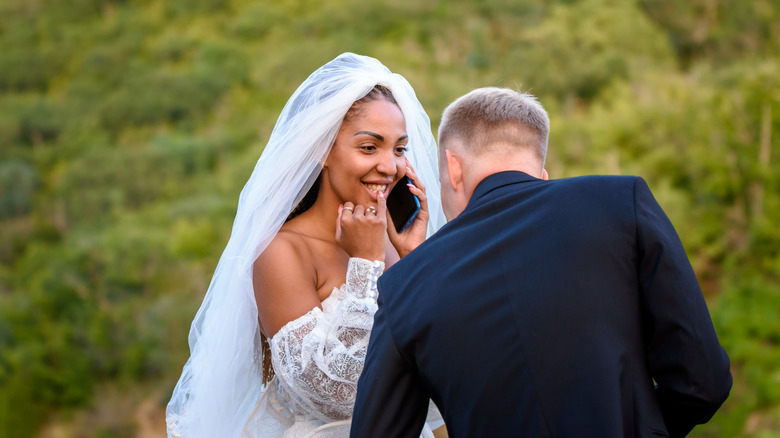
(377, 187)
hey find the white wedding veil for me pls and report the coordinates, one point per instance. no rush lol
(222, 380)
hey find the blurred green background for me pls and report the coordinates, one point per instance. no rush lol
(128, 127)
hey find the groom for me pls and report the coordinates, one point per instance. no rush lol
(543, 308)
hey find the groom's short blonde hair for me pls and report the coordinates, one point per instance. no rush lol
(491, 117)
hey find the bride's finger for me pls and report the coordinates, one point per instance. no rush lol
(338, 222)
(421, 196)
(381, 205)
(417, 188)
(345, 214)
(410, 173)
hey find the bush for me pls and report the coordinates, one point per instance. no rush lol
(18, 183)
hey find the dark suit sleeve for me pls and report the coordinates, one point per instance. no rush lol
(684, 356)
(390, 401)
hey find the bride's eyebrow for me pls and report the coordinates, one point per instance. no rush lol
(373, 134)
(379, 137)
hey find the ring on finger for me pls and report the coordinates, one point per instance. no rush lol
(348, 208)
(371, 209)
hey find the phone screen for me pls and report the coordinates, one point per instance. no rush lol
(402, 205)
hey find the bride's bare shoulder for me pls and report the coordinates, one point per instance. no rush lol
(288, 247)
(284, 278)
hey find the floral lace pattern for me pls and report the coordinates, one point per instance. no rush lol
(318, 357)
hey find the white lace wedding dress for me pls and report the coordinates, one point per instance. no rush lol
(317, 359)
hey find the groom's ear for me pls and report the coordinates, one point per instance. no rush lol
(454, 170)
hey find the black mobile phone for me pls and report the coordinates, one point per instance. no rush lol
(402, 204)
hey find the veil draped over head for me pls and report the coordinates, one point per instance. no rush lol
(222, 380)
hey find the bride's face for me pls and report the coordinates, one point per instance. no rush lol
(368, 155)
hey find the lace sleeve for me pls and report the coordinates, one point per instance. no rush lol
(318, 357)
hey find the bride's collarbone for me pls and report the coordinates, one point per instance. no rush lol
(328, 259)
(330, 265)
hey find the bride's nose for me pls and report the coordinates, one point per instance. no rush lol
(387, 164)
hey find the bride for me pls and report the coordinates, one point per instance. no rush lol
(279, 342)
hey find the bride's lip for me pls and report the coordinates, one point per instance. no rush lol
(374, 188)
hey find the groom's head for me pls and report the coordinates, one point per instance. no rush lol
(489, 130)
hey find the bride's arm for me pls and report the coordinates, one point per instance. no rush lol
(284, 279)
(319, 356)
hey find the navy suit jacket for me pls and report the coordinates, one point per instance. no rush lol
(546, 309)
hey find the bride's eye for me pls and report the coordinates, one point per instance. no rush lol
(400, 150)
(368, 147)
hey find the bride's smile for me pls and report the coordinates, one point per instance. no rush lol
(369, 150)
(374, 189)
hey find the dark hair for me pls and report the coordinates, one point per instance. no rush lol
(307, 201)
(376, 93)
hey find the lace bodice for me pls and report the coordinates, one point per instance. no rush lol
(318, 357)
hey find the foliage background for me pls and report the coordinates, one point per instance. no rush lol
(128, 127)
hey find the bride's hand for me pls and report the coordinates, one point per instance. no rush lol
(414, 234)
(361, 230)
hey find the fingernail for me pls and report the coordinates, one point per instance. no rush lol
(380, 195)
(340, 207)
(408, 170)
